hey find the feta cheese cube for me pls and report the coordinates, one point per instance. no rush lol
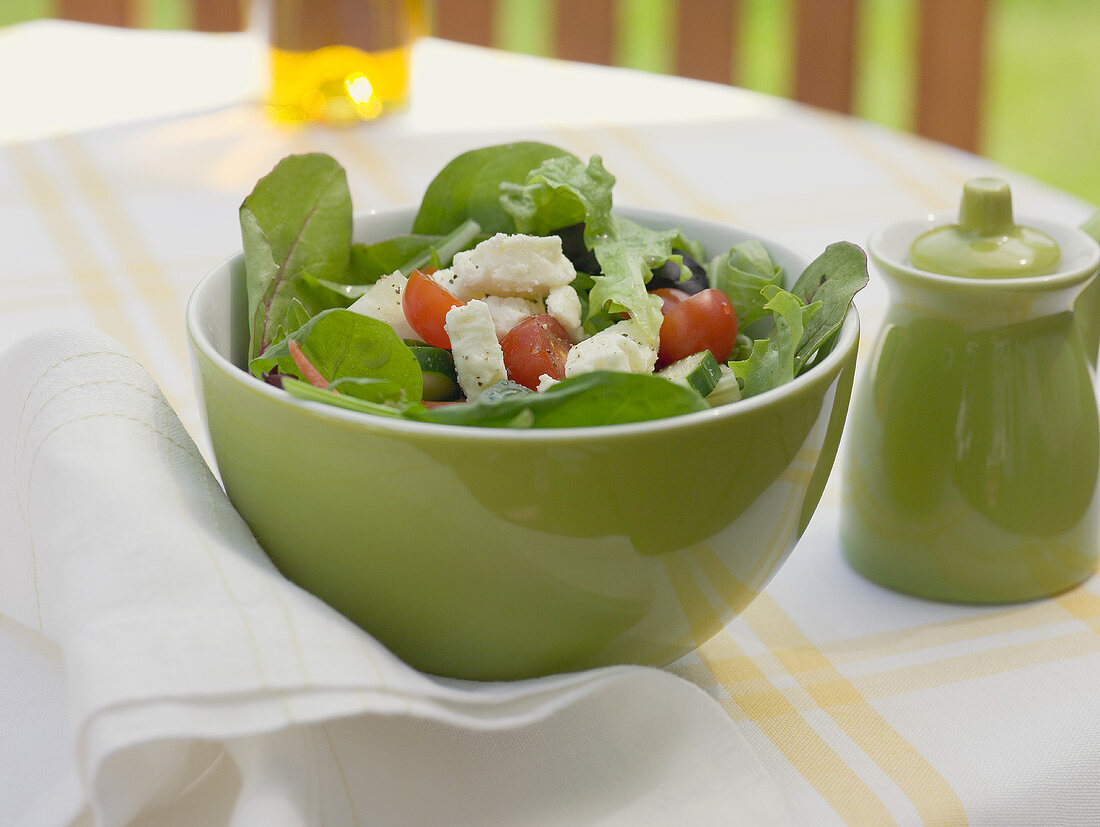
(621, 347)
(383, 302)
(512, 265)
(445, 277)
(479, 361)
(564, 304)
(508, 311)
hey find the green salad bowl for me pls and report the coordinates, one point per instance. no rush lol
(499, 554)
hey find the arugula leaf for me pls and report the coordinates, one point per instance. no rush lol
(598, 398)
(772, 360)
(297, 220)
(741, 274)
(340, 343)
(832, 279)
(469, 187)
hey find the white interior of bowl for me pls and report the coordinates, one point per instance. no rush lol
(218, 309)
(889, 247)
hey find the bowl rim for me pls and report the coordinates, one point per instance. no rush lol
(846, 341)
(880, 249)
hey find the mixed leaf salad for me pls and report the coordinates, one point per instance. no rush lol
(519, 299)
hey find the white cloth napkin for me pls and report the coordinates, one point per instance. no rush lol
(203, 688)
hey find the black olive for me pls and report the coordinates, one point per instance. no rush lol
(572, 246)
(668, 275)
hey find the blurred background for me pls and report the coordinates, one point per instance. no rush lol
(1038, 111)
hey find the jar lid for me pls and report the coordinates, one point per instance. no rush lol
(986, 243)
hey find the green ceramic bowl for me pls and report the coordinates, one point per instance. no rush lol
(498, 554)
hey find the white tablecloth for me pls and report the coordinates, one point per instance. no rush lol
(865, 706)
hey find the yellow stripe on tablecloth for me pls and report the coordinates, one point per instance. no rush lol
(1083, 605)
(775, 716)
(160, 298)
(1079, 603)
(926, 636)
(96, 291)
(973, 665)
(805, 663)
(930, 793)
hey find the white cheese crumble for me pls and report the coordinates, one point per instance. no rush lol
(512, 265)
(479, 361)
(383, 302)
(508, 311)
(621, 347)
(564, 304)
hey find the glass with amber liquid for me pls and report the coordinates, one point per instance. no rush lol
(339, 61)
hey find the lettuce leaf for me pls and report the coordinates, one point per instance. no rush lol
(564, 191)
(741, 274)
(560, 192)
(772, 361)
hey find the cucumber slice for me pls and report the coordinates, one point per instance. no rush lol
(727, 389)
(438, 367)
(699, 371)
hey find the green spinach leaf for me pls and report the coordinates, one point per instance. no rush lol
(469, 187)
(340, 343)
(296, 221)
(304, 390)
(599, 398)
(369, 262)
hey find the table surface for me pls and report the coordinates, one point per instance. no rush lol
(866, 706)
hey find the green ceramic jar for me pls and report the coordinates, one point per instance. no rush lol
(971, 471)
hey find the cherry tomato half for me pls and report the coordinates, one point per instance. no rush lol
(670, 296)
(705, 321)
(425, 304)
(538, 345)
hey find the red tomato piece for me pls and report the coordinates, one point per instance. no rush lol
(670, 297)
(425, 303)
(538, 345)
(705, 321)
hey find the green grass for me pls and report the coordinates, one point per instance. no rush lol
(1042, 108)
(1043, 105)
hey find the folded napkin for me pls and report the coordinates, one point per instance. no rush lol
(204, 688)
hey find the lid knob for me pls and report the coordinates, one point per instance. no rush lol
(986, 243)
